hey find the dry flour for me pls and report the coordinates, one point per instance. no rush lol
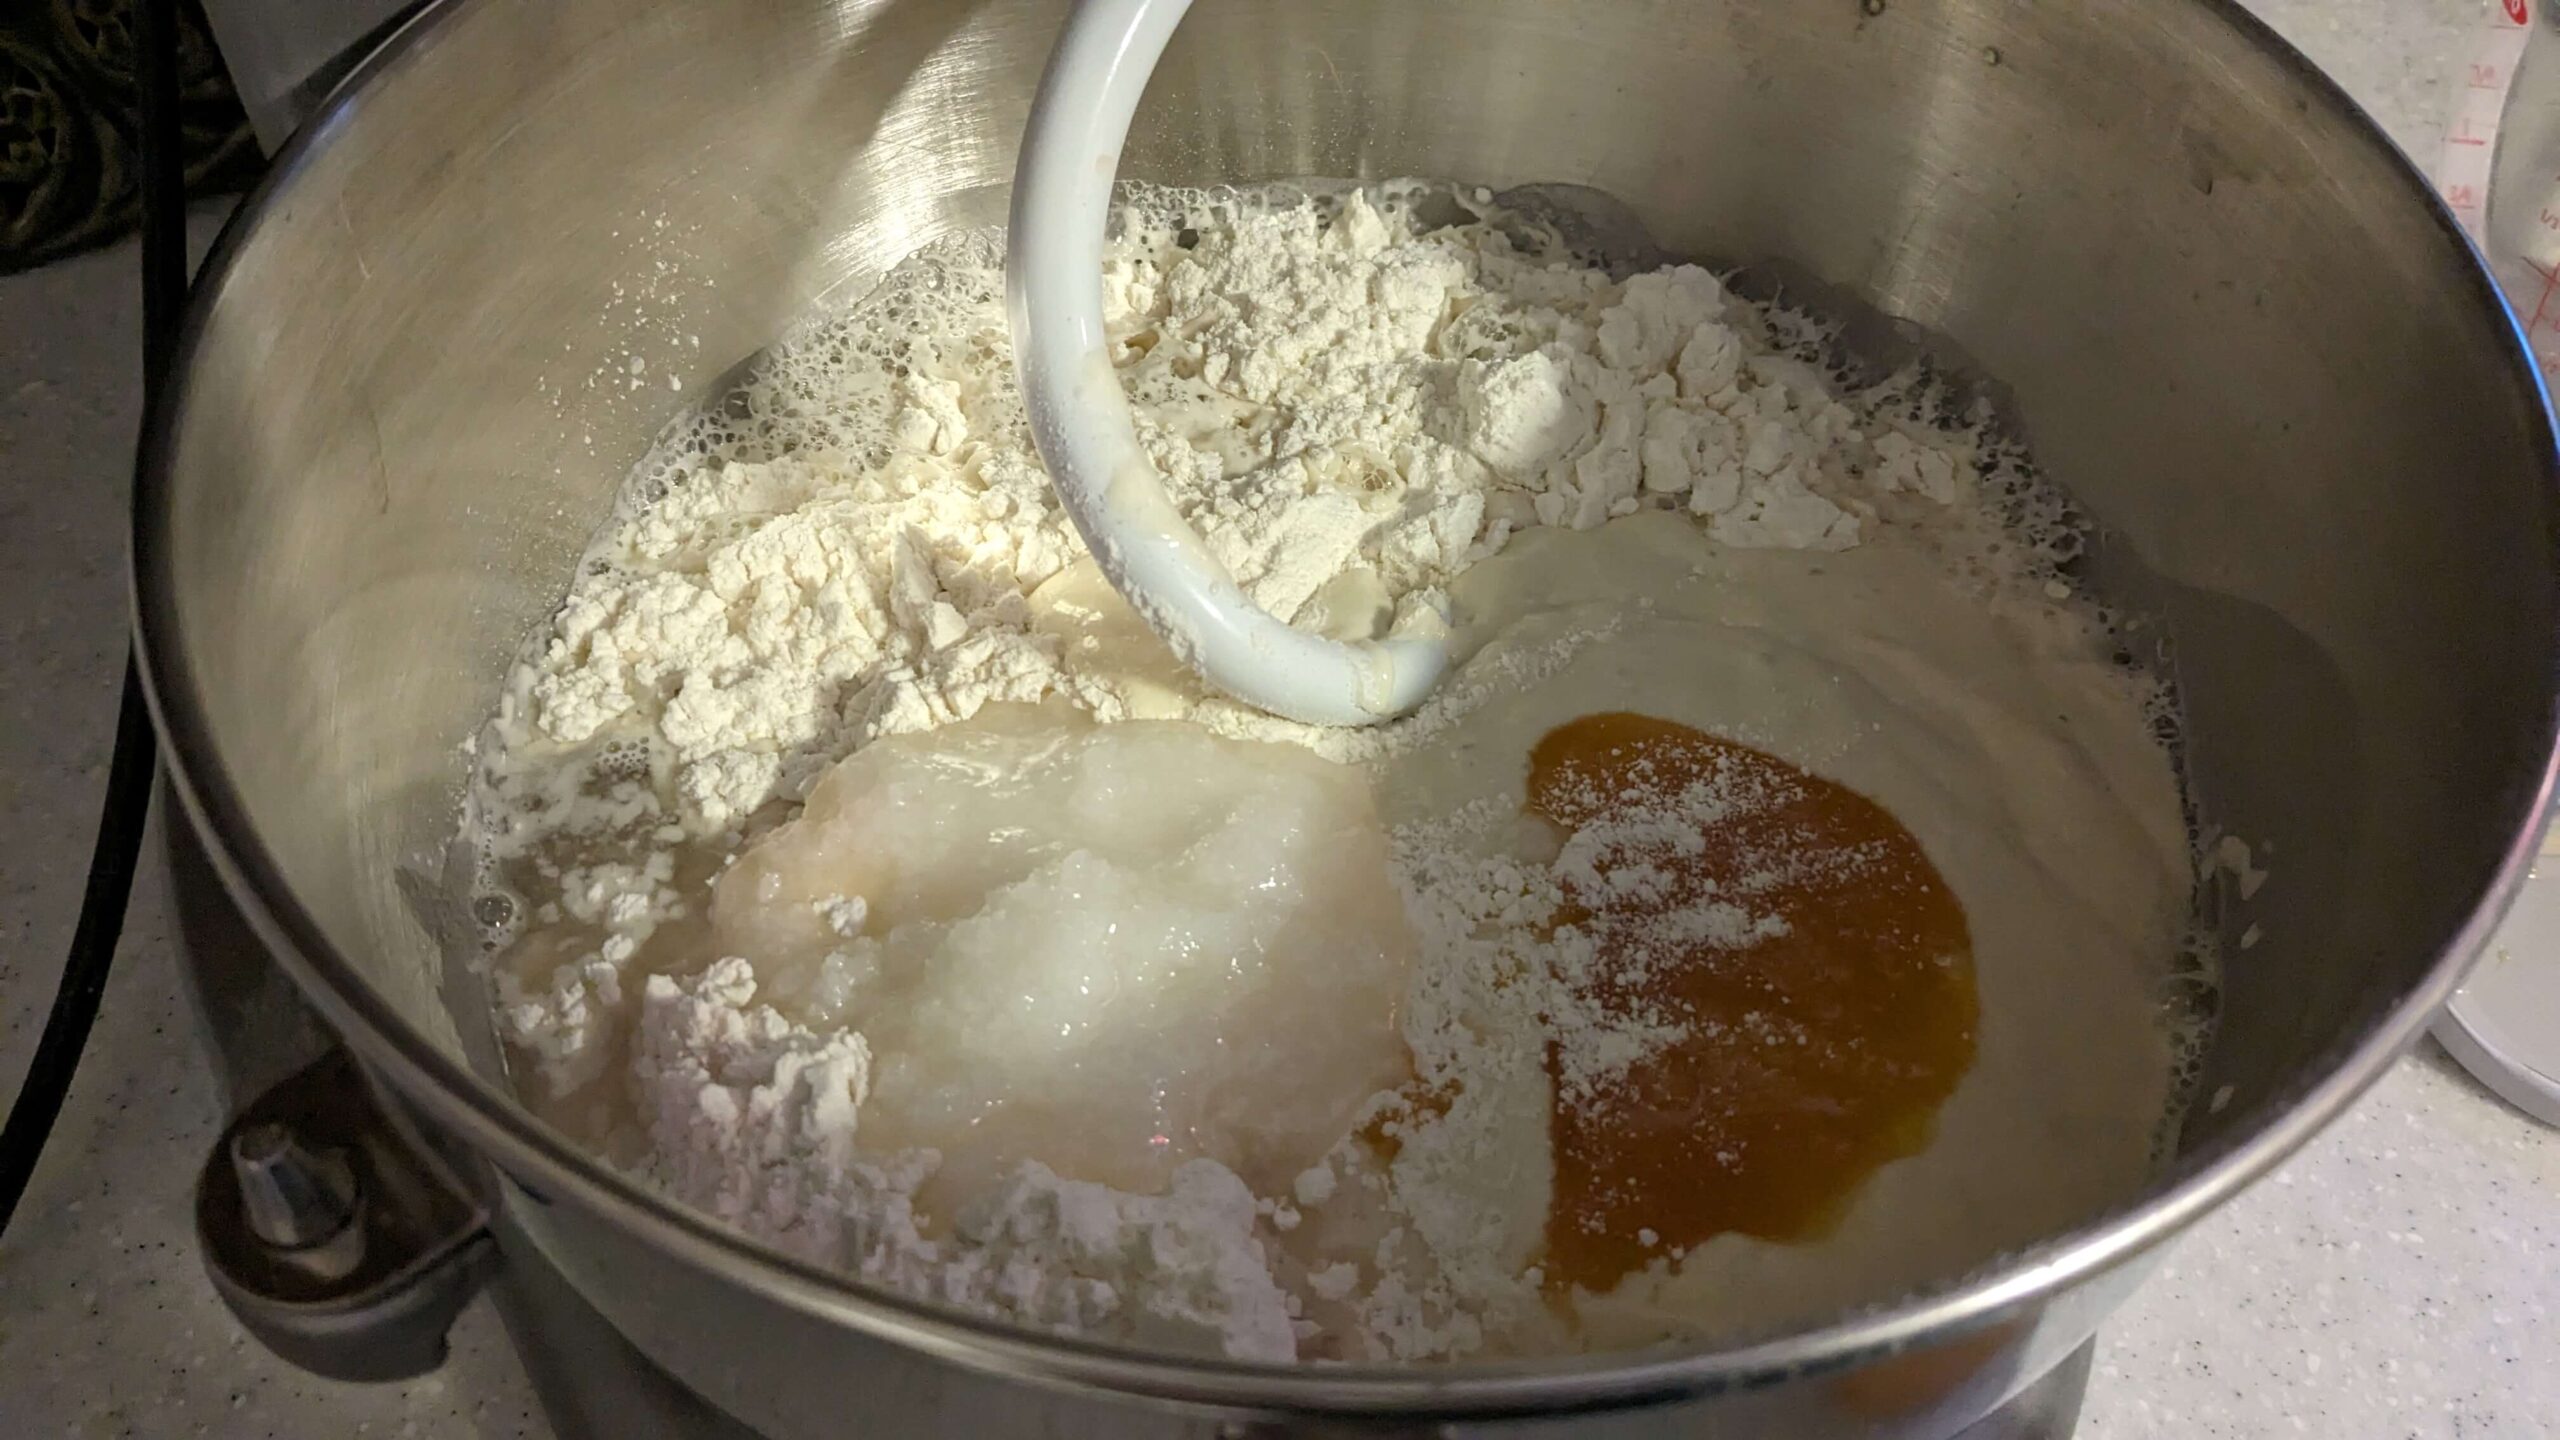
(1350, 407)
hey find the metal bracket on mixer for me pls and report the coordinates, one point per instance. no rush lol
(341, 1245)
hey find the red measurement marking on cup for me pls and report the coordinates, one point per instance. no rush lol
(2542, 306)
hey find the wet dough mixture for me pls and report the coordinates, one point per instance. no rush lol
(1773, 912)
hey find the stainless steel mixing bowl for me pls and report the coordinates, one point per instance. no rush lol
(2231, 318)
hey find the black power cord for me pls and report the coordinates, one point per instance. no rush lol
(130, 772)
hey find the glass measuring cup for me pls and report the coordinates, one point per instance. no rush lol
(2500, 170)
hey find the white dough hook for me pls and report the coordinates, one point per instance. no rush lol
(1080, 417)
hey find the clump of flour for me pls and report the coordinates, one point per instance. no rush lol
(1353, 407)
(753, 1118)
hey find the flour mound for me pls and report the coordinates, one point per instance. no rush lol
(1351, 406)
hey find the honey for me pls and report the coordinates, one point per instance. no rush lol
(1811, 966)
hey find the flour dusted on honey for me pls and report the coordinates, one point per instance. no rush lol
(858, 555)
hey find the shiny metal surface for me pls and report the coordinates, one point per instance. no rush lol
(365, 1281)
(291, 1196)
(2229, 317)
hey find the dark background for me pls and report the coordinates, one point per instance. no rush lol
(68, 162)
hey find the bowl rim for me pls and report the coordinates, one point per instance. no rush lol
(484, 1116)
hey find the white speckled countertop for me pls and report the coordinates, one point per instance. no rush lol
(2400, 1277)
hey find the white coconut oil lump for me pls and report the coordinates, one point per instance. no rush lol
(1113, 949)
